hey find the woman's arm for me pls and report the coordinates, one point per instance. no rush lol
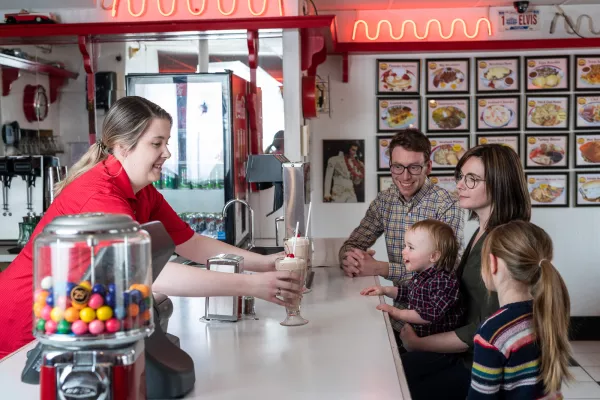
(200, 248)
(446, 342)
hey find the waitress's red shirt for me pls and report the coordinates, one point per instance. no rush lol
(105, 188)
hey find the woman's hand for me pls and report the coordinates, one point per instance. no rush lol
(409, 338)
(373, 291)
(269, 285)
(270, 259)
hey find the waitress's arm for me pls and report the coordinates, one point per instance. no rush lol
(200, 248)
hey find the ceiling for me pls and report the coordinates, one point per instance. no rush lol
(332, 5)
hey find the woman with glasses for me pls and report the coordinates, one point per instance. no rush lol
(492, 186)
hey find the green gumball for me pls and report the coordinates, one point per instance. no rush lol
(63, 327)
(41, 325)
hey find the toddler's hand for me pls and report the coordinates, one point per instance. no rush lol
(373, 291)
(388, 309)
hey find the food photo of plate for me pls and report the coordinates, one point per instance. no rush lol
(398, 80)
(590, 191)
(447, 154)
(591, 74)
(547, 192)
(497, 116)
(548, 115)
(590, 113)
(498, 77)
(546, 77)
(590, 151)
(447, 78)
(398, 116)
(547, 154)
(449, 117)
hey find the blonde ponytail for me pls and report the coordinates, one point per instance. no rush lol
(95, 154)
(551, 315)
(526, 249)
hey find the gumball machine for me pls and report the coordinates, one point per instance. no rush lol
(93, 306)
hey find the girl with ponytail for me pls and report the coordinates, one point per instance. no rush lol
(522, 351)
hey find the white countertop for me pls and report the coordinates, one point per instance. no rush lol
(347, 350)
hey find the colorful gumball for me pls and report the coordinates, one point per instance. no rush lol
(99, 289)
(63, 302)
(57, 314)
(96, 327)
(87, 314)
(50, 326)
(40, 325)
(69, 287)
(41, 296)
(80, 295)
(86, 284)
(125, 299)
(112, 325)
(112, 288)
(109, 299)
(120, 312)
(135, 296)
(144, 289)
(148, 301)
(96, 301)
(63, 327)
(133, 310)
(146, 315)
(143, 306)
(129, 324)
(71, 314)
(37, 309)
(79, 327)
(104, 313)
(46, 282)
(50, 300)
(45, 314)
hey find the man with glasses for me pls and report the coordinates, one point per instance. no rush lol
(411, 199)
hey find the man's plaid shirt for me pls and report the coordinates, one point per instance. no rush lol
(391, 215)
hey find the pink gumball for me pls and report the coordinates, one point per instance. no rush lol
(45, 313)
(50, 326)
(112, 325)
(96, 327)
(79, 327)
(63, 302)
(96, 301)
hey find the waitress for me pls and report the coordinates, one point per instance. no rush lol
(115, 176)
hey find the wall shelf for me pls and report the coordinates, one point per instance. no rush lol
(11, 67)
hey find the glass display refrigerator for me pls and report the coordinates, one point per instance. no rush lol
(208, 145)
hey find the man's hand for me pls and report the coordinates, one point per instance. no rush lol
(358, 262)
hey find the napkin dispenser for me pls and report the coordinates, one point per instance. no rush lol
(225, 308)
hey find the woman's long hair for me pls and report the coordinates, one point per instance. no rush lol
(527, 251)
(125, 123)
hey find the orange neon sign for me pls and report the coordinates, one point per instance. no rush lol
(409, 21)
(190, 7)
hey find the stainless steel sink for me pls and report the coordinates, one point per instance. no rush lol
(265, 251)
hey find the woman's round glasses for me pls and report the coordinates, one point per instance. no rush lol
(470, 180)
(413, 169)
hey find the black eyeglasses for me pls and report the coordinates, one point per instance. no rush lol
(470, 180)
(413, 169)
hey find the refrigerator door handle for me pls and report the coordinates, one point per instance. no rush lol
(277, 220)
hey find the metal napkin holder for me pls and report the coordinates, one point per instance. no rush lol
(224, 308)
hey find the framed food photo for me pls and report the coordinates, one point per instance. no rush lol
(384, 182)
(547, 151)
(447, 75)
(587, 189)
(398, 77)
(498, 113)
(447, 150)
(587, 75)
(394, 114)
(498, 74)
(587, 150)
(448, 114)
(445, 181)
(547, 113)
(587, 111)
(548, 189)
(511, 140)
(383, 153)
(547, 73)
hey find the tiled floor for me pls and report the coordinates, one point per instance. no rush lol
(586, 373)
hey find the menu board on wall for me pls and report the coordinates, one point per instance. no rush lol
(383, 153)
(587, 189)
(498, 75)
(587, 76)
(398, 77)
(510, 140)
(547, 113)
(498, 113)
(547, 151)
(587, 109)
(447, 76)
(384, 182)
(547, 73)
(394, 114)
(445, 181)
(446, 151)
(587, 150)
(548, 189)
(448, 114)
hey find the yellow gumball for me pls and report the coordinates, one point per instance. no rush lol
(57, 314)
(86, 285)
(104, 313)
(87, 315)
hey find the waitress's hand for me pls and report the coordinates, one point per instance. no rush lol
(272, 258)
(409, 338)
(268, 285)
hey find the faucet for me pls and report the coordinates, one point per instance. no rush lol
(224, 212)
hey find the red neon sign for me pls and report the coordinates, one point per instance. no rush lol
(195, 11)
(414, 25)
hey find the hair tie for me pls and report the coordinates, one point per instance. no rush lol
(101, 145)
(541, 261)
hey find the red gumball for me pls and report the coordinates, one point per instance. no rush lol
(50, 326)
(112, 325)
